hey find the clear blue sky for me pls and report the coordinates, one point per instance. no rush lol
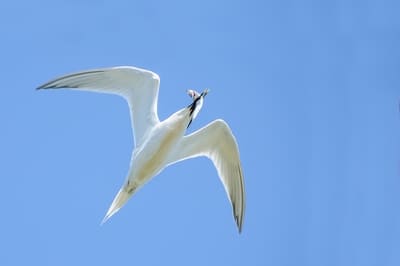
(310, 89)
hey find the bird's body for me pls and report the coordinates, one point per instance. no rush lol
(159, 144)
(150, 157)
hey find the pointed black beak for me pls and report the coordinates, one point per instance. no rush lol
(204, 93)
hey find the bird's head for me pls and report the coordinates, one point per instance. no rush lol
(197, 102)
(194, 94)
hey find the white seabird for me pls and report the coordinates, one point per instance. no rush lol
(162, 143)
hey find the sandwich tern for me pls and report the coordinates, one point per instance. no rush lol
(159, 144)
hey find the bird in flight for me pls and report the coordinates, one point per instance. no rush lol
(159, 144)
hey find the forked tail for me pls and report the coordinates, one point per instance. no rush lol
(120, 199)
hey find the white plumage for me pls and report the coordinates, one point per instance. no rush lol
(159, 144)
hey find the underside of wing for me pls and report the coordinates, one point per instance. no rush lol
(217, 142)
(138, 86)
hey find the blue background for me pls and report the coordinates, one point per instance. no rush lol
(309, 88)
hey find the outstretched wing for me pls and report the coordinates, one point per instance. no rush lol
(217, 142)
(138, 86)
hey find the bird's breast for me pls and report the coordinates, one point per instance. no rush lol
(150, 158)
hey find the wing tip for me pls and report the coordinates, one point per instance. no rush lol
(41, 87)
(239, 227)
(46, 86)
(239, 221)
(239, 218)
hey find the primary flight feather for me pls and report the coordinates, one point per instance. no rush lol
(162, 143)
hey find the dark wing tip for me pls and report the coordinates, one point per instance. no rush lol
(239, 217)
(55, 83)
(52, 85)
(40, 87)
(239, 224)
(45, 86)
